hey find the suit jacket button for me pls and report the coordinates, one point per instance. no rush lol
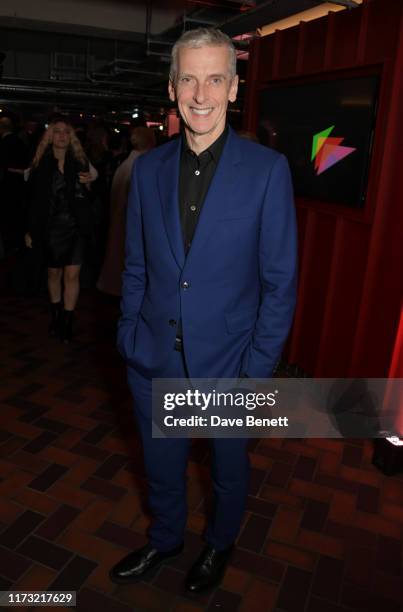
(185, 285)
(172, 322)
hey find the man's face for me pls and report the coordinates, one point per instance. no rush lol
(203, 89)
(61, 135)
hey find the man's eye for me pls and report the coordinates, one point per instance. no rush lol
(216, 80)
(185, 79)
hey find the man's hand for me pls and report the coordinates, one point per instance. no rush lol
(28, 241)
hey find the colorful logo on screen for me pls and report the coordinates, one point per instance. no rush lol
(327, 151)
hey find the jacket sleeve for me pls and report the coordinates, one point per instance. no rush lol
(134, 275)
(278, 274)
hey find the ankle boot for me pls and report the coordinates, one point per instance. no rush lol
(55, 315)
(66, 327)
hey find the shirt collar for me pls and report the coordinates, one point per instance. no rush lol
(215, 149)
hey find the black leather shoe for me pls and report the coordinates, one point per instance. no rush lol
(138, 563)
(208, 570)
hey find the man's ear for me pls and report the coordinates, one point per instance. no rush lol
(233, 90)
(171, 91)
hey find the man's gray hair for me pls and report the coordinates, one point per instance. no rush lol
(202, 37)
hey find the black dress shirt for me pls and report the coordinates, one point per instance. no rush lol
(195, 175)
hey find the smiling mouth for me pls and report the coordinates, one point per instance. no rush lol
(201, 111)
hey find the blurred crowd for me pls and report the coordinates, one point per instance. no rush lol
(110, 153)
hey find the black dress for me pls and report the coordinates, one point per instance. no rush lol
(60, 218)
(64, 244)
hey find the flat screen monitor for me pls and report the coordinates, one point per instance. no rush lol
(325, 129)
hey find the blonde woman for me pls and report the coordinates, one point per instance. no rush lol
(59, 219)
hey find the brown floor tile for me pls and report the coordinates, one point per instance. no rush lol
(294, 590)
(40, 442)
(187, 606)
(58, 455)
(120, 535)
(225, 601)
(12, 564)
(48, 477)
(377, 524)
(40, 550)
(320, 543)
(196, 522)
(9, 510)
(68, 493)
(286, 524)
(103, 488)
(304, 468)
(328, 578)
(368, 498)
(279, 474)
(359, 565)
(145, 597)
(74, 575)
(126, 510)
(389, 556)
(315, 515)
(88, 599)
(392, 491)
(36, 578)
(302, 448)
(329, 463)
(92, 452)
(13, 482)
(57, 522)
(34, 500)
(260, 596)
(292, 555)
(310, 490)
(170, 579)
(358, 598)
(254, 533)
(367, 477)
(352, 456)
(277, 496)
(259, 565)
(20, 529)
(111, 466)
(342, 507)
(11, 445)
(28, 461)
(235, 580)
(259, 506)
(350, 534)
(390, 511)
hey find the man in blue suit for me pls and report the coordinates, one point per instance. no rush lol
(208, 291)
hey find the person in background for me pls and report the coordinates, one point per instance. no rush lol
(13, 160)
(59, 218)
(110, 281)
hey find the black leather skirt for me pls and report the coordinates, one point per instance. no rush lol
(65, 245)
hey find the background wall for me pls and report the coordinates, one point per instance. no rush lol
(351, 261)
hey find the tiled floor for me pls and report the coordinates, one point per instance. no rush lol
(323, 530)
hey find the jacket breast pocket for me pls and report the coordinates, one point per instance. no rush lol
(240, 320)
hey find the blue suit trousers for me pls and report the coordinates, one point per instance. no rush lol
(166, 464)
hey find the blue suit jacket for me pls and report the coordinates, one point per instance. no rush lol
(240, 270)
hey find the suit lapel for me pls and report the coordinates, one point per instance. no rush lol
(217, 198)
(168, 181)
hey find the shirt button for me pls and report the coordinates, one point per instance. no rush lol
(193, 208)
(185, 285)
(172, 322)
(197, 172)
